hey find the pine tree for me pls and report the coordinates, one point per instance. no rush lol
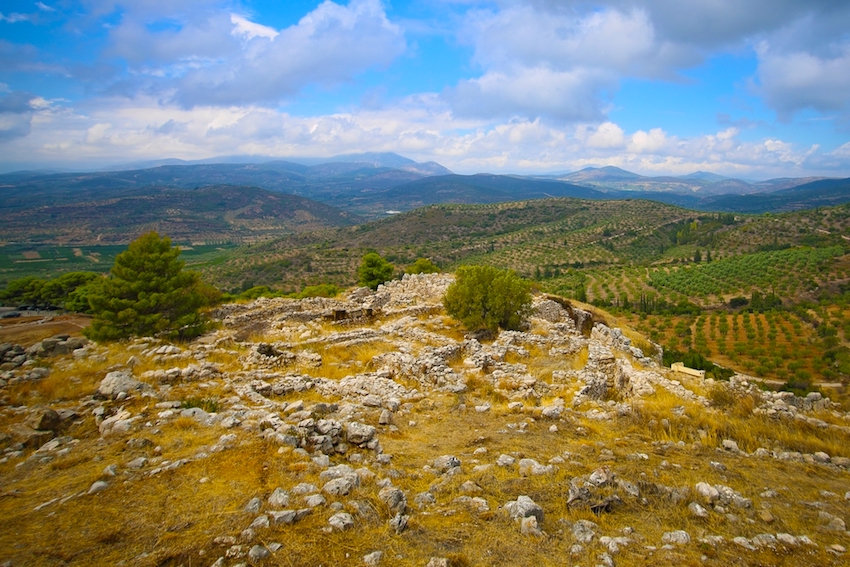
(148, 293)
(374, 270)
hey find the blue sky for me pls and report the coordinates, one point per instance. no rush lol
(750, 88)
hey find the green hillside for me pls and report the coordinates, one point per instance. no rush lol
(215, 214)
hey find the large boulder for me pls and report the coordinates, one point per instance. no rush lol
(43, 419)
(117, 382)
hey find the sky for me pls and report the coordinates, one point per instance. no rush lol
(755, 89)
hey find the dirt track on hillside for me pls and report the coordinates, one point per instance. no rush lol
(27, 331)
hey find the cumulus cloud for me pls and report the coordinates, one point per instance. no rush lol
(328, 46)
(598, 44)
(421, 127)
(249, 30)
(791, 82)
(559, 63)
(539, 91)
(212, 56)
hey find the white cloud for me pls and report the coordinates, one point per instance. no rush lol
(795, 81)
(422, 127)
(606, 136)
(803, 61)
(647, 142)
(247, 29)
(565, 95)
(222, 58)
(842, 152)
(44, 7)
(561, 64)
(14, 17)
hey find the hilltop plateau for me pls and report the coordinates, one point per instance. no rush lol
(369, 430)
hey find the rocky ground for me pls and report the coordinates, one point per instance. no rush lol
(370, 430)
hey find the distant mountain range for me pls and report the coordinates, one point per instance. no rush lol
(700, 182)
(373, 159)
(341, 190)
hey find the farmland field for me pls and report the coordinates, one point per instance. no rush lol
(47, 261)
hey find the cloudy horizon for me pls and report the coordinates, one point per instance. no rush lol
(753, 89)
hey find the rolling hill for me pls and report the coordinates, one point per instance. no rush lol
(221, 213)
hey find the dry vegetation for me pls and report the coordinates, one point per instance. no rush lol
(174, 517)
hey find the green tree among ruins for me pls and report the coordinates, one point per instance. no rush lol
(423, 266)
(374, 270)
(487, 298)
(148, 293)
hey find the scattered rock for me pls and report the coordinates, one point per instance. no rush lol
(584, 531)
(258, 553)
(446, 462)
(118, 382)
(98, 486)
(523, 507)
(341, 521)
(678, 537)
(279, 498)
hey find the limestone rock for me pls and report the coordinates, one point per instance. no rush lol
(43, 419)
(98, 486)
(253, 506)
(258, 553)
(118, 382)
(359, 433)
(341, 521)
(707, 492)
(446, 462)
(584, 531)
(505, 461)
(279, 498)
(529, 527)
(679, 537)
(394, 498)
(523, 507)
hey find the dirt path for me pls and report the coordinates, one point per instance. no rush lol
(27, 331)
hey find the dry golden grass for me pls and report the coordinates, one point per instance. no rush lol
(339, 361)
(172, 518)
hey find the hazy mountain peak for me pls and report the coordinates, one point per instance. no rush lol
(704, 176)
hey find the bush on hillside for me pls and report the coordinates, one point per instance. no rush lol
(61, 291)
(487, 298)
(148, 293)
(374, 271)
(423, 266)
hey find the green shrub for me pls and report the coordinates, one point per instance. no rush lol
(483, 297)
(423, 266)
(209, 405)
(374, 271)
(321, 290)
